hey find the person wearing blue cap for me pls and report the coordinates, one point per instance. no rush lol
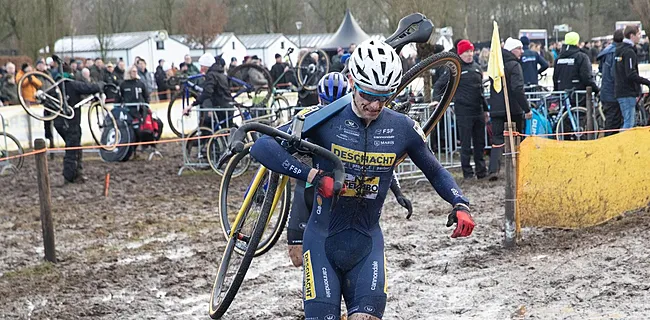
(530, 61)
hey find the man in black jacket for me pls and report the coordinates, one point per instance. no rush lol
(512, 51)
(627, 79)
(70, 129)
(471, 112)
(529, 62)
(216, 91)
(278, 69)
(573, 69)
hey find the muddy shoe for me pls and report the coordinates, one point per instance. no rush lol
(493, 177)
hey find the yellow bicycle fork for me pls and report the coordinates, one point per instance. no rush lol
(259, 176)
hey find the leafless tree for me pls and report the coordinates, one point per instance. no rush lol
(203, 31)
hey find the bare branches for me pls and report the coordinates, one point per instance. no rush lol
(203, 31)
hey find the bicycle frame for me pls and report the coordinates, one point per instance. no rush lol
(255, 184)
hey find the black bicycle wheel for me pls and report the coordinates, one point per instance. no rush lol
(46, 96)
(245, 80)
(100, 119)
(224, 291)
(217, 146)
(565, 126)
(435, 78)
(311, 67)
(231, 199)
(10, 147)
(175, 114)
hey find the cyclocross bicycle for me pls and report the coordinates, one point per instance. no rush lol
(47, 103)
(252, 231)
(243, 91)
(9, 147)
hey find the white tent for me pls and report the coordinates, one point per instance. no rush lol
(226, 44)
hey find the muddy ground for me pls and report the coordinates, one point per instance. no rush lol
(150, 250)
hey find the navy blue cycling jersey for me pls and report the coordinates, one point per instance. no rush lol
(344, 244)
(369, 154)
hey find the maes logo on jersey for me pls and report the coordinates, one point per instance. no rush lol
(310, 290)
(368, 159)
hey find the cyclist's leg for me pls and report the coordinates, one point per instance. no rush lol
(298, 218)
(321, 283)
(365, 296)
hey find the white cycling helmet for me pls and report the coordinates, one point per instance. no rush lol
(376, 65)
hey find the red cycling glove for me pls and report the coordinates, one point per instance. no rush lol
(325, 184)
(463, 220)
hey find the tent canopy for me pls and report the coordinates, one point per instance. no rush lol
(348, 32)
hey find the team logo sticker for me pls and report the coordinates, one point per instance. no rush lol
(309, 290)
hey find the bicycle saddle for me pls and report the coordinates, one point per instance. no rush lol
(413, 28)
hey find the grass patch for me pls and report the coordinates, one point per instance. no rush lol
(39, 270)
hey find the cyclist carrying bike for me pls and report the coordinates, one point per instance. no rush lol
(343, 246)
(216, 91)
(70, 130)
(331, 87)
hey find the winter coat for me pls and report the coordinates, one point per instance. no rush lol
(515, 80)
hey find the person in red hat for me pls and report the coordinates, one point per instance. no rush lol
(471, 113)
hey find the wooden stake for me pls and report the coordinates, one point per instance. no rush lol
(511, 193)
(107, 182)
(509, 118)
(44, 195)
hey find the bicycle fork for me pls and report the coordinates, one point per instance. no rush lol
(248, 199)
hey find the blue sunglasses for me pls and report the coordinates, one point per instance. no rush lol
(371, 96)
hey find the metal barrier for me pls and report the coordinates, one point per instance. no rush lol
(443, 142)
(195, 151)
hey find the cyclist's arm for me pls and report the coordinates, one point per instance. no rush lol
(439, 177)
(543, 64)
(395, 187)
(275, 157)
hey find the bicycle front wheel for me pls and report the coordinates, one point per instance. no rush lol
(100, 119)
(231, 272)
(232, 197)
(42, 94)
(10, 147)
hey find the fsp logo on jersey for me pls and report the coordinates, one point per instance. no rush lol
(309, 290)
(368, 159)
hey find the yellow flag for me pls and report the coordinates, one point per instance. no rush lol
(495, 64)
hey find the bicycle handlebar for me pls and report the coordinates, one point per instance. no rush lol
(237, 145)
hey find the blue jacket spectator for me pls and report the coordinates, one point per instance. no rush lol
(606, 68)
(529, 61)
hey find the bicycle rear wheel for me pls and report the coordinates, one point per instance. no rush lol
(197, 147)
(217, 146)
(231, 275)
(47, 96)
(175, 114)
(9, 147)
(100, 119)
(245, 80)
(418, 84)
(310, 70)
(231, 199)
